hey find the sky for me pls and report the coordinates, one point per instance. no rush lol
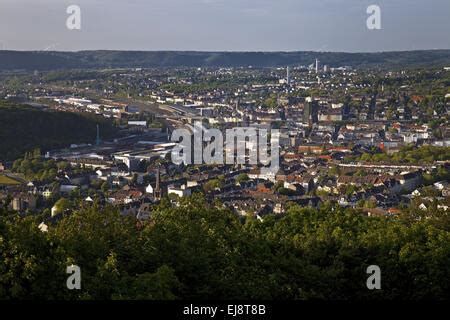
(225, 25)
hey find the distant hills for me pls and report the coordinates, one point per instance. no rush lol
(48, 60)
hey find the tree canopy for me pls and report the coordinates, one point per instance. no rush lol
(198, 250)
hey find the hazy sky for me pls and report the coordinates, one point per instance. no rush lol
(225, 25)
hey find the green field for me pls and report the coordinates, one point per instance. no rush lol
(7, 181)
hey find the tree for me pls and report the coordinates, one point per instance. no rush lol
(63, 165)
(62, 205)
(243, 177)
(334, 171)
(366, 157)
(213, 184)
(350, 189)
(105, 187)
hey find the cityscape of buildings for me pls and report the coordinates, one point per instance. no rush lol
(367, 139)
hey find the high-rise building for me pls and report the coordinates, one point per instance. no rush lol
(98, 141)
(311, 112)
(317, 65)
(157, 192)
(288, 76)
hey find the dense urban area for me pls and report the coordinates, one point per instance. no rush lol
(86, 178)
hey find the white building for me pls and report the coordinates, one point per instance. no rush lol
(149, 189)
(180, 191)
(137, 123)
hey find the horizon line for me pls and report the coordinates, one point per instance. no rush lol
(221, 51)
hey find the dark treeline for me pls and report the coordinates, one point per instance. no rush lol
(198, 251)
(25, 128)
(39, 60)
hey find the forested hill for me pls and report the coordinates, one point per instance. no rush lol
(23, 129)
(41, 60)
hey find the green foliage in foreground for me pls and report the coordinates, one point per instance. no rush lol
(197, 251)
